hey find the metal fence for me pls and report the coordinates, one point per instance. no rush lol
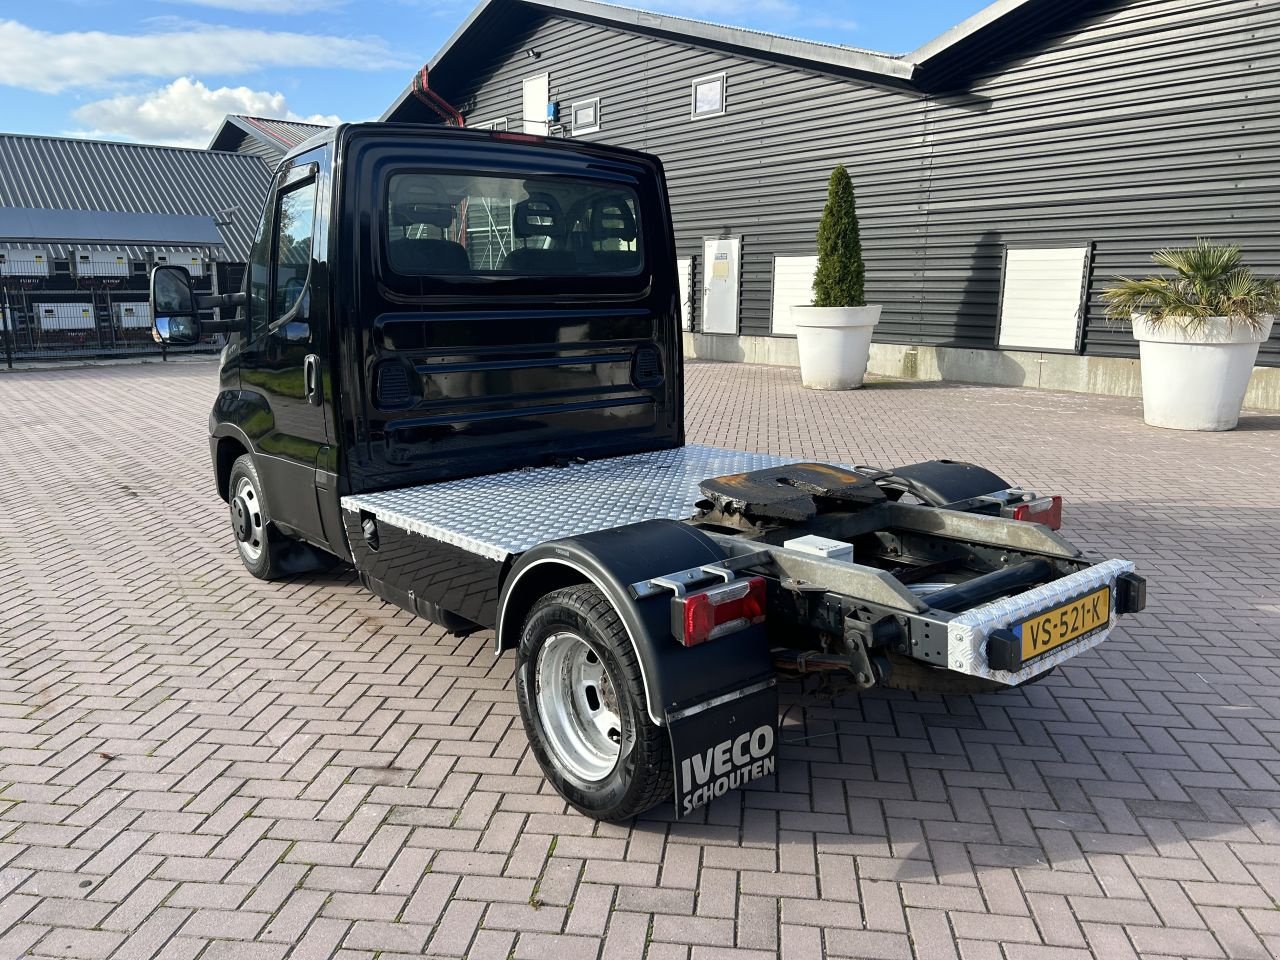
(47, 313)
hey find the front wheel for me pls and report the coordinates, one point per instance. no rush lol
(583, 703)
(260, 545)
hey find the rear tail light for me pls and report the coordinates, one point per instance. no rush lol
(1046, 510)
(708, 614)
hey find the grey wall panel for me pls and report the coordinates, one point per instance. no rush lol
(1148, 124)
(1141, 124)
(760, 170)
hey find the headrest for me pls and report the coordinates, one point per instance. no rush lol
(611, 218)
(538, 216)
(436, 214)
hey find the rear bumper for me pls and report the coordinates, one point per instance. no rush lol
(969, 633)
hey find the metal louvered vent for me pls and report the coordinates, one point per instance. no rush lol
(646, 367)
(393, 385)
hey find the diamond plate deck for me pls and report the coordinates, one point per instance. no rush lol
(499, 515)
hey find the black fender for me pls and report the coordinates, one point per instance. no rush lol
(613, 560)
(224, 424)
(939, 482)
(246, 411)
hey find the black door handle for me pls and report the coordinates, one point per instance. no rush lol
(311, 378)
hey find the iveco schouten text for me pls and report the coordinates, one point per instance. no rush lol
(457, 366)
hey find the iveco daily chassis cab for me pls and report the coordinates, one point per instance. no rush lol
(457, 366)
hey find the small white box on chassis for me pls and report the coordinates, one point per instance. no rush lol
(822, 547)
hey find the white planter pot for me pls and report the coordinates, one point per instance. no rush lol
(1195, 379)
(834, 345)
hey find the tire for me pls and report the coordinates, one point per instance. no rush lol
(263, 552)
(600, 750)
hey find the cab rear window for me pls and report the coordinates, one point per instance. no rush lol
(459, 225)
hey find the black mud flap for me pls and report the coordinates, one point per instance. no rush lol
(722, 742)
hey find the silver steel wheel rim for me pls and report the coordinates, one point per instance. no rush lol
(251, 548)
(578, 708)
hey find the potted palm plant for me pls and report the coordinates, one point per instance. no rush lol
(834, 334)
(1198, 333)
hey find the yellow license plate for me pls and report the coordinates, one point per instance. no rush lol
(1049, 630)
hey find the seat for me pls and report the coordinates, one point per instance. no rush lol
(615, 261)
(540, 263)
(539, 216)
(421, 256)
(425, 257)
(612, 219)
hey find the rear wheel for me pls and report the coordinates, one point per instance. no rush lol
(583, 704)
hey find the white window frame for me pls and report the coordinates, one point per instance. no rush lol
(498, 124)
(723, 77)
(573, 116)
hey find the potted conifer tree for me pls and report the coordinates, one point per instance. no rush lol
(834, 334)
(1198, 333)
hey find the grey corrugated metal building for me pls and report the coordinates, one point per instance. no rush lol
(82, 221)
(72, 174)
(1091, 131)
(262, 137)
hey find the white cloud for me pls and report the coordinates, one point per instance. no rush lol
(54, 62)
(185, 113)
(265, 6)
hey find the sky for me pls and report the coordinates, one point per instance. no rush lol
(166, 71)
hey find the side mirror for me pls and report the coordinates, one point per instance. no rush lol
(173, 306)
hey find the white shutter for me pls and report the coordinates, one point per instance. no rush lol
(537, 94)
(1042, 298)
(792, 287)
(684, 271)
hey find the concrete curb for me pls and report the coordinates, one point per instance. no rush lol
(1105, 376)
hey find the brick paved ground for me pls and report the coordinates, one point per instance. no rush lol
(196, 764)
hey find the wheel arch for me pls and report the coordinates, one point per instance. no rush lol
(229, 448)
(612, 560)
(526, 584)
(234, 413)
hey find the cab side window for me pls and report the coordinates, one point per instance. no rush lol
(259, 288)
(295, 228)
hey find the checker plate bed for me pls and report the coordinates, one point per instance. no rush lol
(501, 515)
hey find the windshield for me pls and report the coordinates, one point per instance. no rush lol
(450, 224)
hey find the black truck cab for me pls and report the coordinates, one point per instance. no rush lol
(426, 303)
(457, 366)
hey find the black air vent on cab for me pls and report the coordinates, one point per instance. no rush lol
(392, 386)
(646, 367)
